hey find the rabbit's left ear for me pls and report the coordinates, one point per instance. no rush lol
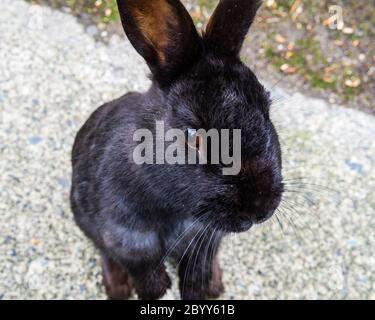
(163, 32)
(229, 25)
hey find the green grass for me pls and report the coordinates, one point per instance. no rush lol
(311, 69)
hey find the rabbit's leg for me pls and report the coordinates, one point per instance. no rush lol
(215, 287)
(117, 281)
(148, 277)
(140, 254)
(150, 282)
(200, 275)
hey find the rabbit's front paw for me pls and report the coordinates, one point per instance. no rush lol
(215, 287)
(117, 282)
(154, 287)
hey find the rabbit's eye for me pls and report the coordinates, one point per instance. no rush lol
(193, 139)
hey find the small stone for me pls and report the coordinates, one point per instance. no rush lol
(34, 242)
(35, 140)
(92, 30)
(65, 183)
(352, 243)
(348, 30)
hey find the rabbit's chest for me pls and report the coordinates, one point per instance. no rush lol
(183, 234)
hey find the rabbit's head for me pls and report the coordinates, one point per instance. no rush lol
(205, 85)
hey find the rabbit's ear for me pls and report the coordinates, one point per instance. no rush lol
(229, 25)
(163, 32)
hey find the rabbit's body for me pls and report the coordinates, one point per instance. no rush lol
(128, 229)
(140, 214)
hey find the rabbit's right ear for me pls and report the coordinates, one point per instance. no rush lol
(163, 32)
(229, 24)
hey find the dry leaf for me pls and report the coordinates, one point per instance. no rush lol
(328, 78)
(298, 11)
(338, 43)
(279, 38)
(353, 82)
(328, 21)
(355, 43)
(295, 6)
(286, 68)
(289, 54)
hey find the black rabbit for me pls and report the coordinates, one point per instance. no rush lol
(138, 215)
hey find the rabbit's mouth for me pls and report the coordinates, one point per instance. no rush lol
(243, 223)
(237, 225)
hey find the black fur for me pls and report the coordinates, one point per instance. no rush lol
(229, 25)
(135, 214)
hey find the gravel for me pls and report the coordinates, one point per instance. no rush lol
(53, 75)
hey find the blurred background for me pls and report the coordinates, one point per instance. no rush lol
(293, 40)
(61, 59)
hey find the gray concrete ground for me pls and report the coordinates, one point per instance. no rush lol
(53, 75)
